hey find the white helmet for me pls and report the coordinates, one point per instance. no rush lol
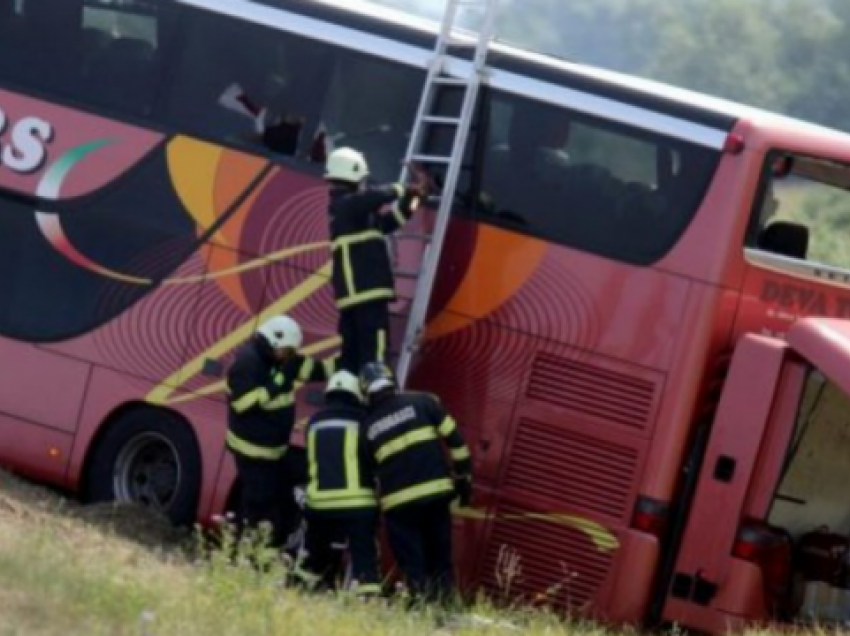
(346, 164)
(281, 331)
(345, 381)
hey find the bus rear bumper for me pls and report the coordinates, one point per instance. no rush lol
(631, 589)
(740, 602)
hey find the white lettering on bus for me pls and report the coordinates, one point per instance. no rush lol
(26, 147)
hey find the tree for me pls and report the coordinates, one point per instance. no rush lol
(788, 56)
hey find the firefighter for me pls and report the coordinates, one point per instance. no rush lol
(341, 506)
(408, 434)
(261, 386)
(362, 274)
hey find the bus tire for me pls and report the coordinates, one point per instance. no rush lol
(148, 456)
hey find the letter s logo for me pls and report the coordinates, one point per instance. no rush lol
(27, 150)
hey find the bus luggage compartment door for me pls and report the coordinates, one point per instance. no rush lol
(705, 572)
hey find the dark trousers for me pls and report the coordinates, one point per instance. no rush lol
(420, 536)
(365, 333)
(328, 537)
(268, 494)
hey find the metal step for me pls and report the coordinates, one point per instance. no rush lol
(448, 121)
(450, 81)
(431, 159)
(450, 37)
(455, 43)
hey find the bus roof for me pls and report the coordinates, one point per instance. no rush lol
(423, 29)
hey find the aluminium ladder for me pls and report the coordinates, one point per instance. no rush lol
(427, 116)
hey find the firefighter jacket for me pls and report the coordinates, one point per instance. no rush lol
(261, 398)
(361, 265)
(342, 479)
(406, 433)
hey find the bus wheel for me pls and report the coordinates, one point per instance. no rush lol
(151, 457)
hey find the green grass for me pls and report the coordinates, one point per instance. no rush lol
(67, 570)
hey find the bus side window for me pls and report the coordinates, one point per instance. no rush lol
(803, 212)
(89, 50)
(370, 105)
(585, 182)
(120, 54)
(248, 85)
(12, 38)
(39, 44)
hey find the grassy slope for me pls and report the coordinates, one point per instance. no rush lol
(66, 570)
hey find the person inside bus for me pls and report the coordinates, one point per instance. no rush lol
(520, 174)
(780, 236)
(280, 132)
(261, 385)
(362, 274)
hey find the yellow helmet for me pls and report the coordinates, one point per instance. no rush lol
(346, 164)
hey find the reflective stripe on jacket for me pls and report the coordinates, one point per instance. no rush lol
(362, 271)
(261, 398)
(340, 467)
(407, 434)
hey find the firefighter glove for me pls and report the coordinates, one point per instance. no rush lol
(463, 490)
(421, 186)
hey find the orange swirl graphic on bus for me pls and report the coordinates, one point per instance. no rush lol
(208, 180)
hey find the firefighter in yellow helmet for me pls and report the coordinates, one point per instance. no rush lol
(341, 505)
(261, 386)
(362, 275)
(408, 434)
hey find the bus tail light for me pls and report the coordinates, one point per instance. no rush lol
(756, 541)
(771, 550)
(651, 515)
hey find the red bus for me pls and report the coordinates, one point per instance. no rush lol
(622, 267)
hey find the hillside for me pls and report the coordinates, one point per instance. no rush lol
(68, 570)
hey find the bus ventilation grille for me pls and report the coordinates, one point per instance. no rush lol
(566, 470)
(551, 562)
(602, 394)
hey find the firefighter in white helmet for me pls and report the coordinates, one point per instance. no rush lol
(261, 386)
(362, 274)
(341, 506)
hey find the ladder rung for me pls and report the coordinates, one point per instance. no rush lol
(452, 36)
(451, 81)
(454, 43)
(433, 119)
(431, 158)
